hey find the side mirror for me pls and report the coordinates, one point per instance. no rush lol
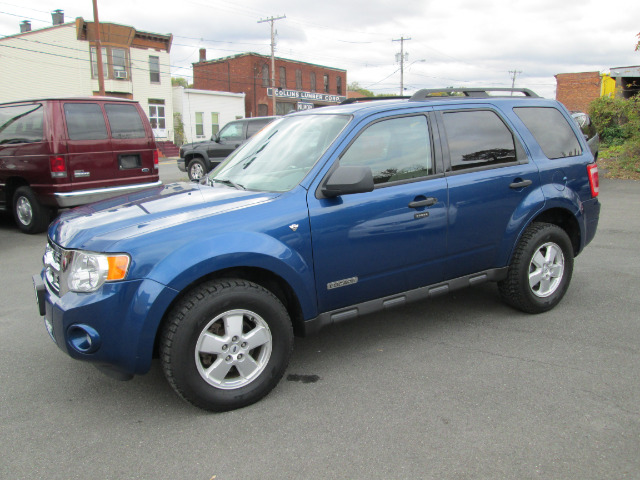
(347, 180)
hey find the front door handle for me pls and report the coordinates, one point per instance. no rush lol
(520, 184)
(427, 202)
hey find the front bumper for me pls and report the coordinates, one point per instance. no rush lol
(114, 327)
(181, 165)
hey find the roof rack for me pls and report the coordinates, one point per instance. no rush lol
(426, 94)
(349, 101)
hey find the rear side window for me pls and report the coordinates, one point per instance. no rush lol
(85, 121)
(551, 130)
(253, 127)
(395, 149)
(21, 124)
(478, 138)
(125, 121)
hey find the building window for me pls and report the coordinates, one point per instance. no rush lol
(263, 110)
(312, 77)
(199, 124)
(339, 85)
(156, 114)
(265, 75)
(282, 108)
(326, 84)
(94, 62)
(283, 77)
(119, 62)
(298, 79)
(154, 69)
(114, 63)
(215, 123)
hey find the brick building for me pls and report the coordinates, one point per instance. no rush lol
(299, 85)
(577, 90)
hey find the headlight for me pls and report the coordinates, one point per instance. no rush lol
(89, 271)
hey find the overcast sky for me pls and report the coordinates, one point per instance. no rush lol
(453, 42)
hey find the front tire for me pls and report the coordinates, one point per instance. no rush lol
(30, 215)
(197, 169)
(541, 269)
(226, 344)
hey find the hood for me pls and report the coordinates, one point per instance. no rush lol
(98, 225)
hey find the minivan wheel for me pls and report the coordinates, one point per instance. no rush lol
(196, 169)
(30, 215)
(540, 271)
(226, 344)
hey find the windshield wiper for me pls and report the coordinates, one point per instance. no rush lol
(229, 183)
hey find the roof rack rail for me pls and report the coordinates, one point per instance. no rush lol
(437, 93)
(349, 101)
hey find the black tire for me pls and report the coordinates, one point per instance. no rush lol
(197, 169)
(540, 271)
(214, 328)
(29, 214)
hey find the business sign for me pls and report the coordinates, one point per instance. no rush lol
(305, 106)
(305, 96)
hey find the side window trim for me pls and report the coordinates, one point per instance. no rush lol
(437, 169)
(522, 158)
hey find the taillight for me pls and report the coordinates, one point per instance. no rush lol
(594, 180)
(155, 159)
(58, 167)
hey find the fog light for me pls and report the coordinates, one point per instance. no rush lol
(83, 338)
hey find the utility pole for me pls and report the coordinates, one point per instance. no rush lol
(514, 74)
(96, 23)
(402, 59)
(273, 60)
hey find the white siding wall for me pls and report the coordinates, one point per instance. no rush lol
(52, 62)
(44, 63)
(228, 106)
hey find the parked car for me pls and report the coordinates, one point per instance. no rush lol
(201, 157)
(588, 130)
(323, 216)
(59, 153)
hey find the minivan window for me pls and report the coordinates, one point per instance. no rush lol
(395, 149)
(85, 121)
(478, 138)
(551, 130)
(21, 124)
(124, 121)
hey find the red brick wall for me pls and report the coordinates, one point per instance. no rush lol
(243, 74)
(577, 90)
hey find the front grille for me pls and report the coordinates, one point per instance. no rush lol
(53, 257)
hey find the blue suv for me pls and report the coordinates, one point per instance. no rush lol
(323, 216)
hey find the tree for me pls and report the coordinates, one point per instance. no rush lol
(355, 87)
(179, 82)
(638, 44)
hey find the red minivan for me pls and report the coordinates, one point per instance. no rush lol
(64, 152)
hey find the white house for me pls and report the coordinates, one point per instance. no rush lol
(61, 61)
(204, 112)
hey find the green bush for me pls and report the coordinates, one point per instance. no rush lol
(616, 119)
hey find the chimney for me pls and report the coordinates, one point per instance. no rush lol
(25, 26)
(57, 16)
(203, 54)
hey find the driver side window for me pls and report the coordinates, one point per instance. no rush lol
(397, 149)
(231, 132)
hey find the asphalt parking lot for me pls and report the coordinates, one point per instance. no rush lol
(461, 387)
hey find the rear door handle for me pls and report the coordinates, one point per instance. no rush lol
(427, 202)
(520, 184)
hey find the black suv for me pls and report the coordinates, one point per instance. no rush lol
(200, 157)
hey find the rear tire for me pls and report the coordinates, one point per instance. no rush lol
(540, 271)
(226, 344)
(30, 215)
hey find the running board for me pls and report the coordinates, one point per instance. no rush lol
(399, 299)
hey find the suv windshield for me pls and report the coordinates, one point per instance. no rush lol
(278, 157)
